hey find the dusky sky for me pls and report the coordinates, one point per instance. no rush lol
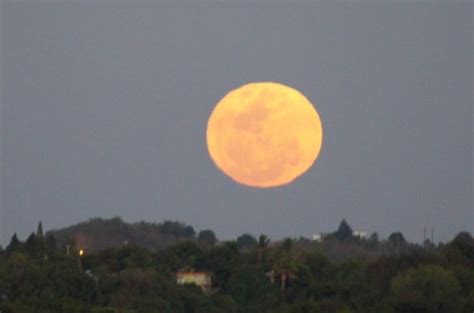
(105, 105)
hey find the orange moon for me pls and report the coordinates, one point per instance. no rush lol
(264, 134)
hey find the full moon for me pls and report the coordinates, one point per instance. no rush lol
(264, 134)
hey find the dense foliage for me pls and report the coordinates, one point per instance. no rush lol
(341, 274)
(98, 234)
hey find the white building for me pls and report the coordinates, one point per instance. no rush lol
(319, 237)
(361, 234)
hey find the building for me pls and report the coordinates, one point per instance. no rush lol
(200, 279)
(361, 234)
(319, 237)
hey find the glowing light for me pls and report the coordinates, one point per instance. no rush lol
(264, 134)
(81, 252)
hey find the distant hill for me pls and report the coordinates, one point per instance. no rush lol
(98, 234)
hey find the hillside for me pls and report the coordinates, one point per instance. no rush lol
(242, 276)
(98, 234)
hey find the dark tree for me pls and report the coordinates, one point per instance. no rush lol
(463, 239)
(14, 244)
(31, 242)
(344, 231)
(428, 288)
(169, 227)
(207, 237)
(39, 231)
(189, 232)
(262, 244)
(464, 244)
(397, 239)
(287, 244)
(374, 238)
(50, 243)
(246, 241)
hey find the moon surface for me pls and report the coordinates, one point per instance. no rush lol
(264, 134)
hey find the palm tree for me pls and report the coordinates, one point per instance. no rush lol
(262, 244)
(285, 267)
(287, 244)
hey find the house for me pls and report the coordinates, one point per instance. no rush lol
(319, 237)
(200, 279)
(361, 234)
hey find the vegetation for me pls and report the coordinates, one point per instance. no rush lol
(99, 234)
(341, 274)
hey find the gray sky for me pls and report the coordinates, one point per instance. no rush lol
(105, 106)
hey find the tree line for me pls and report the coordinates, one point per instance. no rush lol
(340, 274)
